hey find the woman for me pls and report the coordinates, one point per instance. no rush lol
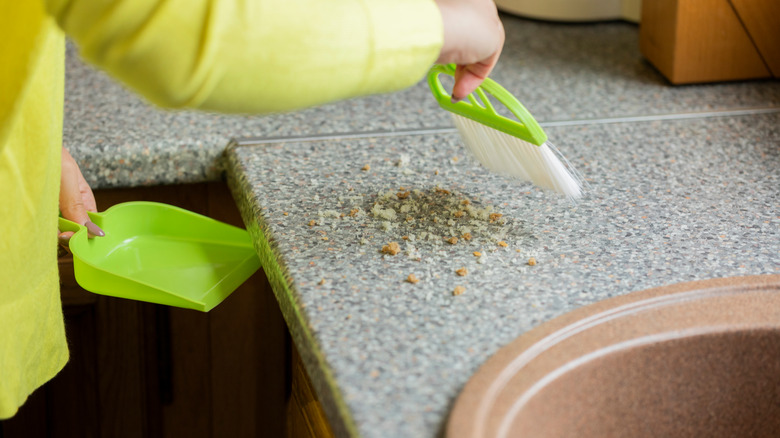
(239, 56)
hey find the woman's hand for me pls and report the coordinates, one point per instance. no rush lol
(76, 198)
(473, 39)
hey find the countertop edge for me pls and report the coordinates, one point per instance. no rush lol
(320, 372)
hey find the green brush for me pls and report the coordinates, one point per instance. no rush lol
(517, 148)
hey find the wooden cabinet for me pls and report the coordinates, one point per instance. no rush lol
(143, 370)
(305, 416)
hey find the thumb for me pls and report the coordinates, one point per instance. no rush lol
(467, 79)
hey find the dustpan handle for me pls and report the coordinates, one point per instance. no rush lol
(68, 225)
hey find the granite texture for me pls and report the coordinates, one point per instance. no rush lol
(559, 71)
(667, 202)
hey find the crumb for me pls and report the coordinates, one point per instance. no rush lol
(325, 238)
(452, 240)
(435, 172)
(459, 213)
(285, 213)
(409, 218)
(354, 212)
(477, 254)
(403, 195)
(322, 281)
(462, 272)
(412, 279)
(366, 168)
(502, 244)
(455, 159)
(312, 223)
(466, 236)
(391, 248)
(532, 261)
(413, 253)
(402, 188)
(328, 213)
(465, 202)
(494, 216)
(458, 290)
(518, 250)
(435, 221)
(405, 237)
(383, 213)
(442, 191)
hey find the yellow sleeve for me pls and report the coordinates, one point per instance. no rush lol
(255, 56)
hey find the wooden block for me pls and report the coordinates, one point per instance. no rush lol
(657, 34)
(761, 18)
(693, 41)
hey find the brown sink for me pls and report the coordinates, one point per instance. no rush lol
(698, 359)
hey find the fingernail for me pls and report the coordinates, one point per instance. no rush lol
(455, 100)
(63, 240)
(94, 229)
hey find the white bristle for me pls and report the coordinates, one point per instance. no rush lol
(509, 155)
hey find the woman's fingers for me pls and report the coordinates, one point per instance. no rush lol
(76, 197)
(473, 39)
(469, 77)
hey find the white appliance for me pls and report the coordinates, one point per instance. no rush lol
(574, 10)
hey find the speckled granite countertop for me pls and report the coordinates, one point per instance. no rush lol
(673, 197)
(560, 72)
(669, 201)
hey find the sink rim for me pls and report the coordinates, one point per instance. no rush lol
(543, 349)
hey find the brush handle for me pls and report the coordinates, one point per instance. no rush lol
(525, 127)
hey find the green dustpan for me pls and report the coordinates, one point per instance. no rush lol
(161, 254)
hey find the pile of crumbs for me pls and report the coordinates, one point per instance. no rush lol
(417, 223)
(437, 216)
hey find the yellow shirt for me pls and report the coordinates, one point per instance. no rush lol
(241, 56)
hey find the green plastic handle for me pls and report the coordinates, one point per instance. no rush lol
(68, 225)
(525, 127)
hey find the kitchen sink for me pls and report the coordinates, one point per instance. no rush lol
(688, 360)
